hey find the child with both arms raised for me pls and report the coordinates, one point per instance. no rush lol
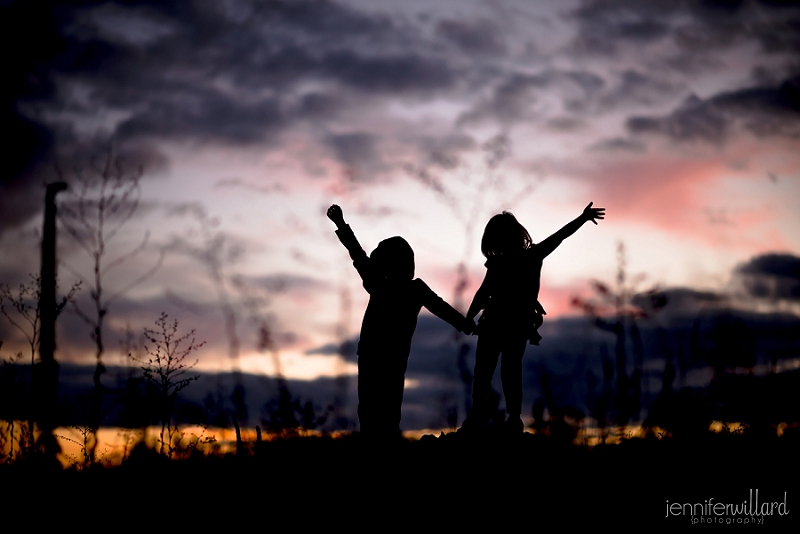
(396, 298)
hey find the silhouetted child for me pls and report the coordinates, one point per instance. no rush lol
(512, 313)
(396, 298)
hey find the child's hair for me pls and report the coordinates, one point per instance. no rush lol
(394, 258)
(504, 234)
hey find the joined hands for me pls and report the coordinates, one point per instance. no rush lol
(469, 327)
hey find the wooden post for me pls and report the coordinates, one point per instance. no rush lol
(46, 372)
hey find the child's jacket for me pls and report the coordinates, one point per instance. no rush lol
(391, 315)
(511, 290)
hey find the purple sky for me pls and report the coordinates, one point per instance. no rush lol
(420, 119)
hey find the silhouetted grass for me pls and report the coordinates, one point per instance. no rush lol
(530, 478)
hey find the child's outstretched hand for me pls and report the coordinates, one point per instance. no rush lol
(590, 213)
(335, 214)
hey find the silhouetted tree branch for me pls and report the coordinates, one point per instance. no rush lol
(165, 368)
(106, 197)
(21, 308)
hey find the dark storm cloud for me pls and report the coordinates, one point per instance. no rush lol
(773, 276)
(603, 24)
(41, 50)
(227, 76)
(319, 105)
(509, 103)
(447, 151)
(21, 199)
(695, 26)
(214, 117)
(763, 110)
(694, 120)
(30, 37)
(634, 87)
(239, 73)
(393, 74)
(357, 150)
(285, 282)
(618, 143)
(478, 37)
(514, 97)
(773, 265)
(86, 159)
(329, 349)
(681, 301)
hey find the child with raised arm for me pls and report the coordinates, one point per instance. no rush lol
(395, 300)
(512, 313)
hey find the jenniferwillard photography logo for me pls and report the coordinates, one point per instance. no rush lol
(751, 510)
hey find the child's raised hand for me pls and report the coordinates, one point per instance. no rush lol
(590, 213)
(335, 214)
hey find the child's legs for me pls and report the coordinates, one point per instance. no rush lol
(511, 373)
(380, 396)
(486, 355)
(394, 402)
(368, 403)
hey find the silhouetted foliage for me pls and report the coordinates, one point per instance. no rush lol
(105, 197)
(21, 308)
(165, 369)
(613, 309)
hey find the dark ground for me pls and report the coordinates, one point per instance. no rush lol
(528, 481)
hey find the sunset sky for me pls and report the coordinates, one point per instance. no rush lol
(420, 119)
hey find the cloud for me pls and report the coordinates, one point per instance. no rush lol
(618, 143)
(603, 25)
(285, 282)
(204, 114)
(771, 276)
(765, 111)
(319, 105)
(446, 151)
(356, 150)
(633, 87)
(607, 27)
(208, 73)
(566, 124)
(21, 199)
(515, 97)
(31, 33)
(666, 190)
(694, 120)
(345, 350)
(481, 37)
(239, 183)
(391, 74)
(236, 73)
(683, 301)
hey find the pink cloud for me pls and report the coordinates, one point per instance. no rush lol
(684, 193)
